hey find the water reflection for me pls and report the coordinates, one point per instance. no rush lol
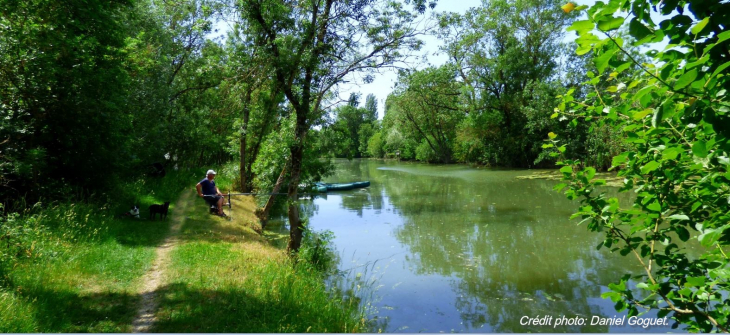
(468, 250)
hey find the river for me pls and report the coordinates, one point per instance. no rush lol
(451, 248)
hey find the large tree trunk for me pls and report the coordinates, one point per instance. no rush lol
(297, 153)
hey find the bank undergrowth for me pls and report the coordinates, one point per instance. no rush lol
(75, 266)
(225, 277)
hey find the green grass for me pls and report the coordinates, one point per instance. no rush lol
(74, 267)
(224, 277)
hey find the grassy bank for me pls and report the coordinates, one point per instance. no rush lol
(75, 267)
(225, 277)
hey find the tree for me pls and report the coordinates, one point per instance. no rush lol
(428, 108)
(174, 68)
(371, 106)
(506, 54)
(312, 47)
(678, 125)
(63, 85)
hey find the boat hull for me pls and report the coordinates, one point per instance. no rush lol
(322, 187)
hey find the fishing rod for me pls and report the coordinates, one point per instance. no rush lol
(229, 194)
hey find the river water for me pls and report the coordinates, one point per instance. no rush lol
(451, 248)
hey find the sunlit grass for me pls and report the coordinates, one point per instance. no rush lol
(225, 277)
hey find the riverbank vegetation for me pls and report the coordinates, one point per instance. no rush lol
(490, 103)
(72, 266)
(673, 112)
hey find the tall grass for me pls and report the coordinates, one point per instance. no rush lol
(72, 266)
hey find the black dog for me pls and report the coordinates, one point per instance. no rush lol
(162, 209)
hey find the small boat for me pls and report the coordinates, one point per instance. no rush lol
(322, 187)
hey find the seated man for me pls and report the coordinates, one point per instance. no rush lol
(208, 191)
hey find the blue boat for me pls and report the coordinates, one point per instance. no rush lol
(322, 187)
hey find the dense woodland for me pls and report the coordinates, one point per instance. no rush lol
(94, 92)
(100, 92)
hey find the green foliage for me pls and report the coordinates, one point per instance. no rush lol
(347, 136)
(274, 155)
(425, 109)
(318, 252)
(507, 55)
(92, 92)
(62, 89)
(673, 112)
(491, 103)
(375, 145)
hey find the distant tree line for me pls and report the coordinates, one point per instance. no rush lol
(491, 103)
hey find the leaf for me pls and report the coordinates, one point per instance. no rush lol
(720, 69)
(640, 115)
(709, 237)
(567, 170)
(552, 135)
(611, 295)
(657, 118)
(643, 91)
(699, 149)
(602, 60)
(611, 23)
(619, 159)
(568, 7)
(638, 30)
(589, 172)
(671, 153)
(582, 50)
(654, 206)
(679, 217)
(723, 36)
(695, 281)
(682, 233)
(581, 26)
(649, 167)
(700, 25)
(700, 61)
(686, 79)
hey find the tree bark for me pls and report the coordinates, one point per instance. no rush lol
(243, 168)
(264, 214)
(297, 153)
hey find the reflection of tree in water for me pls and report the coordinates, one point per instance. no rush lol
(506, 243)
(513, 256)
(359, 199)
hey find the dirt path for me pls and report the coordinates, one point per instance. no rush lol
(153, 278)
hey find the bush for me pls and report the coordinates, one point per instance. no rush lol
(375, 145)
(424, 153)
